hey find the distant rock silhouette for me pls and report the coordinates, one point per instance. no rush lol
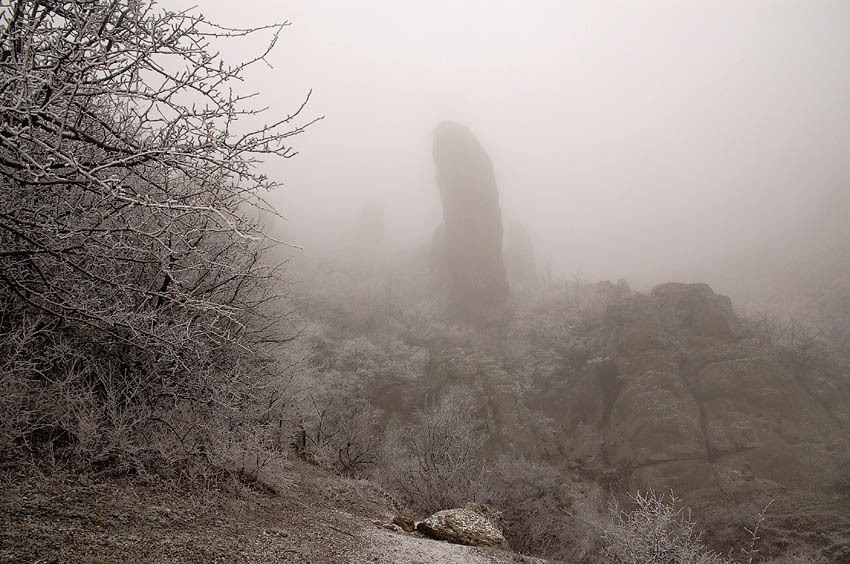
(472, 244)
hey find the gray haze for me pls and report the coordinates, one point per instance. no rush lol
(650, 141)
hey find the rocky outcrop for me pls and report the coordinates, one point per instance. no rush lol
(654, 417)
(474, 525)
(668, 390)
(494, 393)
(697, 399)
(472, 241)
(696, 309)
(673, 390)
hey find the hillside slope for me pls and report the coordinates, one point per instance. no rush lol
(313, 517)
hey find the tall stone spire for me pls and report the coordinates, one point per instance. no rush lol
(472, 244)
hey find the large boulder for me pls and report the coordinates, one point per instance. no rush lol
(472, 244)
(474, 525)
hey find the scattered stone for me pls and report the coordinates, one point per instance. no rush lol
(406, 522)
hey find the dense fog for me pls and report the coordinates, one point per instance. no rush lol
(550, 281)
(649, 141)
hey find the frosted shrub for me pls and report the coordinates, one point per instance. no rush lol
(436, 462)
(658, 531)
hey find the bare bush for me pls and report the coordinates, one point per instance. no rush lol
(656, 530)
(136, 299)
(341, 432)
(436, 463)
(534, 504)
(786, 331)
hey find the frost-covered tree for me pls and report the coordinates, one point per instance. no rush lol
(133, 275)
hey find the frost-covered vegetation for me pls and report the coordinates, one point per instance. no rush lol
(149, 324)
(140, 306)
(379, 349)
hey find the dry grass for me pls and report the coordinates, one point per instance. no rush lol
(72, 518)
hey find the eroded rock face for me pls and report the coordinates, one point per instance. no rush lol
(472, 241)
(654, 418)
(496, 402)
(699, 397)
(474, 525)
(679, 392)
(670, 390)
(696, 308)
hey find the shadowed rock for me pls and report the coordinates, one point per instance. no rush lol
(497, 405)
(473, 222)
(406, 522)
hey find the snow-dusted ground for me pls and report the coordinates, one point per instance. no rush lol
(381, 546)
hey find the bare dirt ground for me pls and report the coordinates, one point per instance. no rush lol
(314, 517)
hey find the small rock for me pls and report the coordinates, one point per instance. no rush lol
(406, 522)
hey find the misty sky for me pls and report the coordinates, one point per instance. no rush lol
(647, 140)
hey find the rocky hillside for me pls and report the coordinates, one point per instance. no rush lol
(683, 394)
(670, 390)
